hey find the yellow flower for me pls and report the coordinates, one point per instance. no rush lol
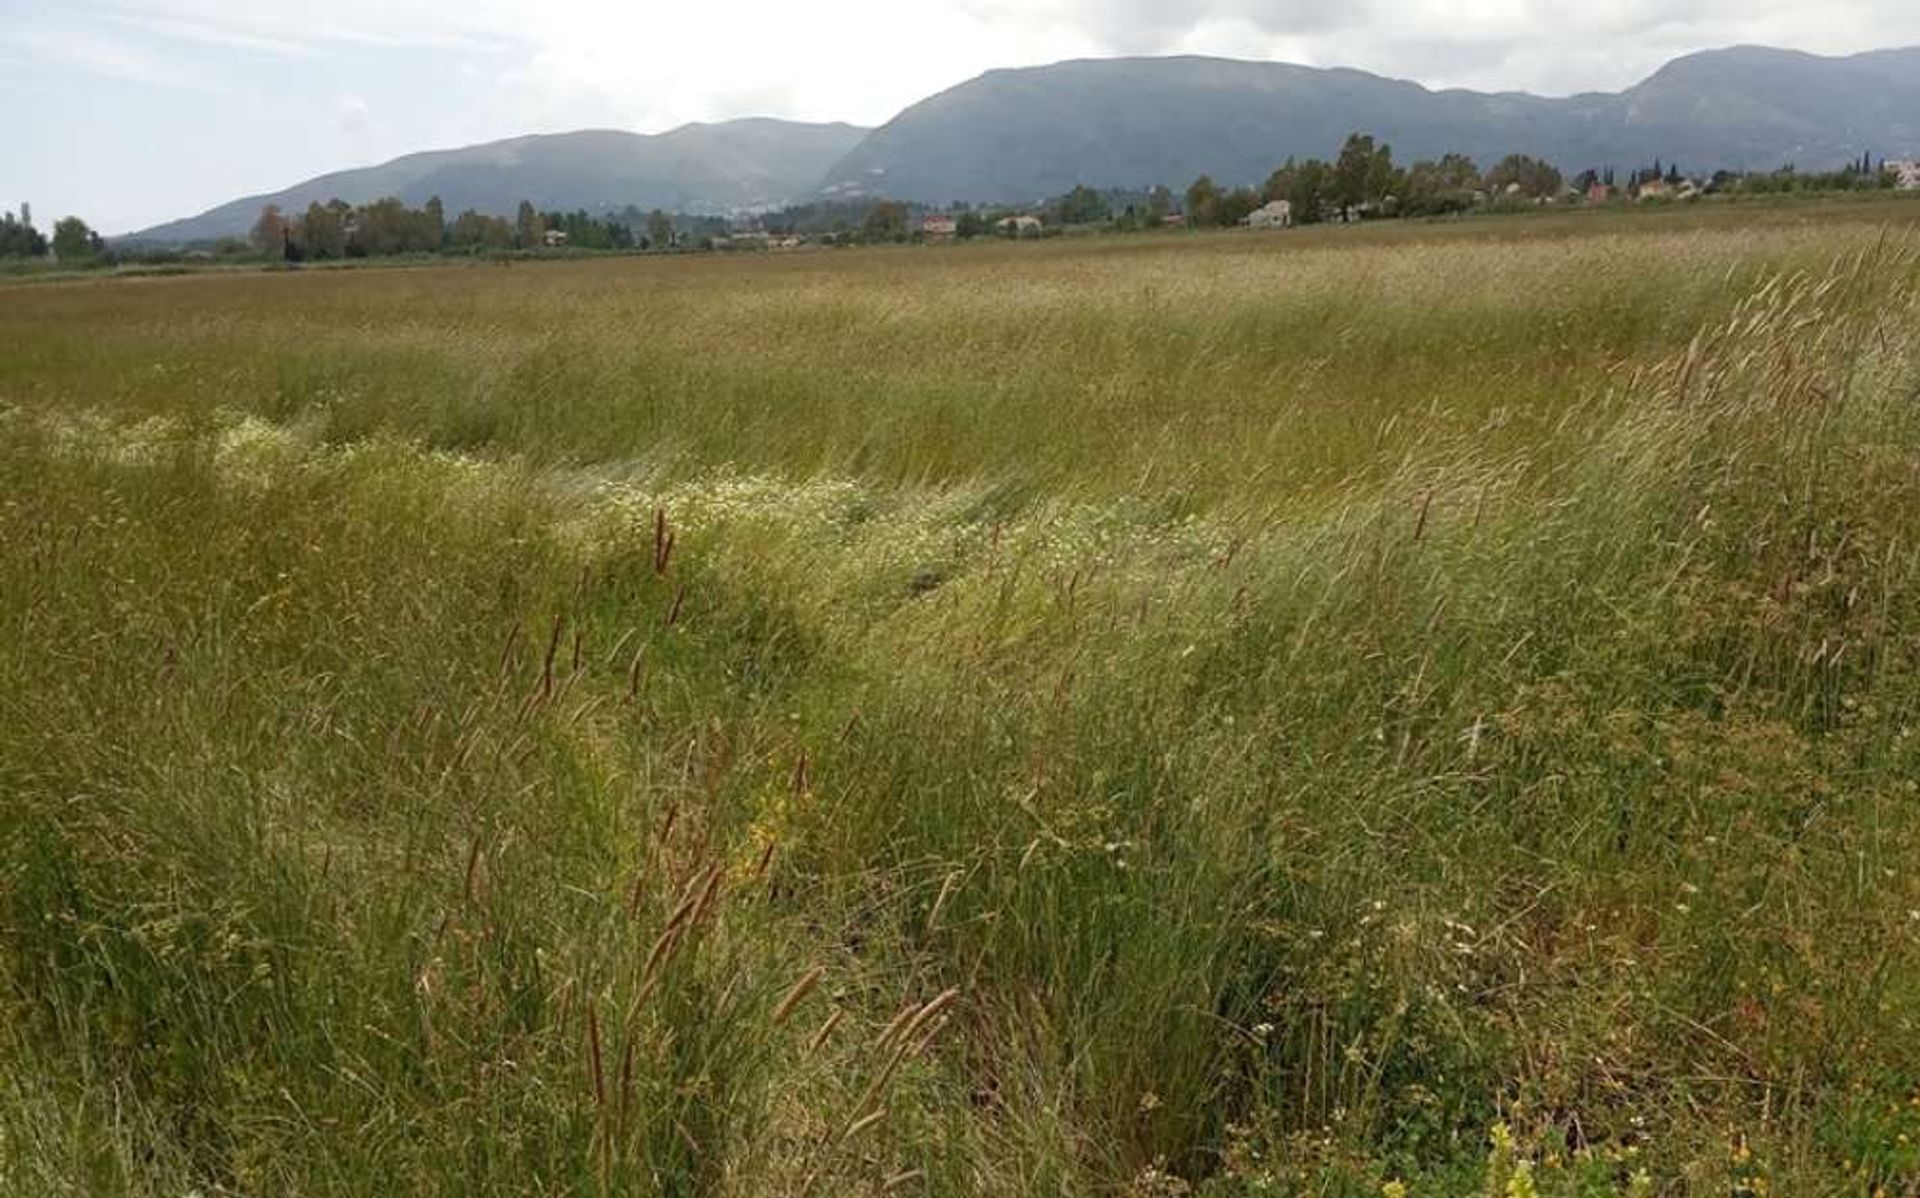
(1520, 1185)
(1502, 1136)
(1394, 1189)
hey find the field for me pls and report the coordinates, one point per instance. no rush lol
(1426, 710)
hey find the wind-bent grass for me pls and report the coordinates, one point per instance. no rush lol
(1224, 716)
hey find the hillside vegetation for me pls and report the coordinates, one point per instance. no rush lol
(1028, 132)
(1365, 712)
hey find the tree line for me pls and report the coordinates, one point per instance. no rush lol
(1364, 181)
(72, 240)
(388, 227)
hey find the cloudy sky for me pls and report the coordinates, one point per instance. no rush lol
(138, 111)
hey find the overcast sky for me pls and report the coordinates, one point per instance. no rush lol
(138, 111)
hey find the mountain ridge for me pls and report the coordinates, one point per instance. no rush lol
(703, 166)
(1018, 134)
(1028, 132)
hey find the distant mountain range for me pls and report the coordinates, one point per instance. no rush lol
(718, 168)
(1019, 135)
(1023, 134)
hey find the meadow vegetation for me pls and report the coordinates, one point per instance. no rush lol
(1416, 711)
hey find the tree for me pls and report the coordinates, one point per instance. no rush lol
(1203, 202)
(472, 231)
(1082, 206)
(529, 229)
(1533, 178)
(1364, 175)
(1437, 188)
(323, 230)
(434, 231)
(269, 235)
(1309, 191)
(1279, 184)
(886, 221)
(659, 230)
(382, 227)
(18, 237)
(1236, 204)
(73, 241)
(1159, 205)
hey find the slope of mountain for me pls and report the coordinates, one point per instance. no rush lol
(1022, 134)
(696, 168)
(1130, 122)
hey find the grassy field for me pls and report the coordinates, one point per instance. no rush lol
(1422, 710)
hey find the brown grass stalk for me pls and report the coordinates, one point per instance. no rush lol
(797, 994)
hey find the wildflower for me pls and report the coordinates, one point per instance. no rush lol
(1502, 1137)
(1394, 1189)
(1520, 1185)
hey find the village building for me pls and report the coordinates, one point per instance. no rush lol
(1019, 226)
(938, 226)
(1277, 214)
(1906, 174)
(554, 238)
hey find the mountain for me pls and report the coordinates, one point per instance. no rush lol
(1027, 133)
(696, 168)
(1131, 122)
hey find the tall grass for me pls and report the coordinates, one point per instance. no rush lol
(1231, 717)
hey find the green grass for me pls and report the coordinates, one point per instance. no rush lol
(1221, 715)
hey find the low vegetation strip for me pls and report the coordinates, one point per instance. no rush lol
(1406, 717)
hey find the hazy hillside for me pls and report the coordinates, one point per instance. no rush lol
(1015, 134)
(1033, 132)
(736, 164)
(1752, 107)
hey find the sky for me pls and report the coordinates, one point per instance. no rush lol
(132, 112)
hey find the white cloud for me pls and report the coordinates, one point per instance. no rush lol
(354, 113)
(863, 59)
(111, 57)
(366, 22)
(212, 35)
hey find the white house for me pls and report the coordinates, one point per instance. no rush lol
(1019, 226)
(1906, 175)
(1277, 214)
